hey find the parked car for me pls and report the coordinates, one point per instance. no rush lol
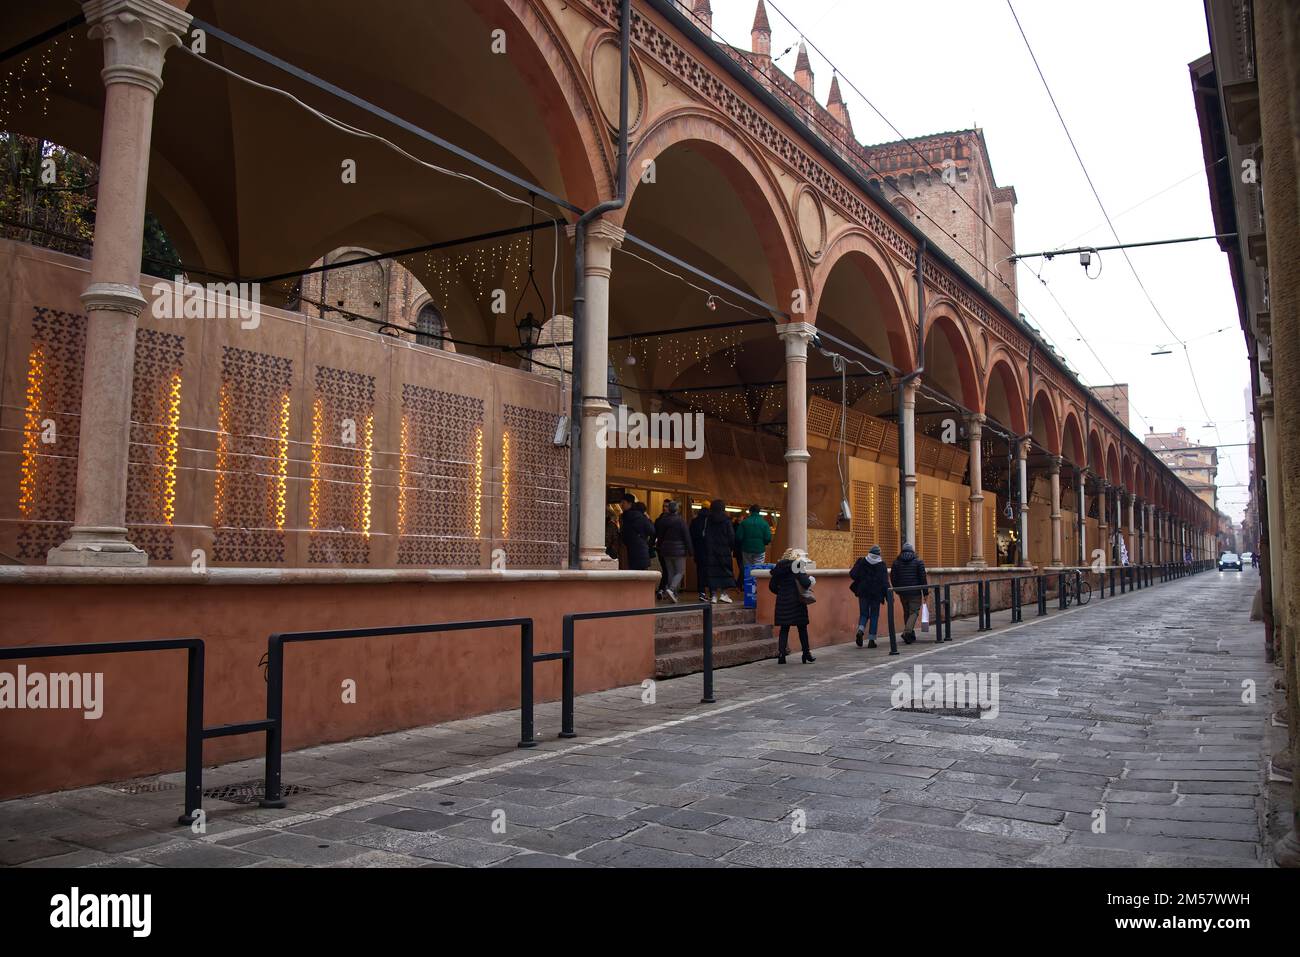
(1247, 558)
(1229, 560)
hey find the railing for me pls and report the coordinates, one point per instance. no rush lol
(194, 730)
(567, 654)
(274, 723)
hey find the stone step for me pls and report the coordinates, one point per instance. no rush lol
(723, 615)
(690, 662)
(672, 642)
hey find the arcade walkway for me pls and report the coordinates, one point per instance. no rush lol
(1132, 707)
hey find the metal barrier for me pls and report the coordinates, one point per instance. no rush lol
(567, 655)
(194, 730)
(274, 723)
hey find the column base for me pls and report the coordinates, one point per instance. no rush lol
(98, 547)
(597, 562)
(1286, 852)
(977, 563)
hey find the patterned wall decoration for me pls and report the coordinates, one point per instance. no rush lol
(252, 430)
(155, 442)
(440, 479)
(47, 474)
(538, 490)
(342, 467)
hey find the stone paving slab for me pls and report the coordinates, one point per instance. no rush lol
(1122, 738)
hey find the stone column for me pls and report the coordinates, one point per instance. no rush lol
(1022, 458)
(975, 433)
(797, 335)
(1081, 515)
(602, 239)
(136, 35)
(1132, 528)
(1103, 521)
(1054, 471)
(1276, 521)
(908, 501)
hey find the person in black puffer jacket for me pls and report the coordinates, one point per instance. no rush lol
(674, 541)
(719, 543)
(871, 585)
(790, 608)
(908, 572)
(637, 533)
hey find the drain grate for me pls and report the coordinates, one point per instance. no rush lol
(947, 712)
(145, 787)
(245, 792)
(249, 792)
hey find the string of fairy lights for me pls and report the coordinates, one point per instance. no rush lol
(35, 76)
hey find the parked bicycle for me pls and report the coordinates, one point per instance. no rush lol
(1077, 589)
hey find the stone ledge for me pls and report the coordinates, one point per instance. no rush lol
(47, 575)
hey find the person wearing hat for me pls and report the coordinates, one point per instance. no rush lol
(909, 572)
(871, 584)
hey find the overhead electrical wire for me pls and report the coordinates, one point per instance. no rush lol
(1110, 224)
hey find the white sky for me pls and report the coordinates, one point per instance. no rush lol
(1119, 73)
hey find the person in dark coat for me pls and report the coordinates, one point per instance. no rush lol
(871, 584)
(908, 572)
(785, 584)
(637, 534)
(719, 543)
(698, 549)
(674, 542)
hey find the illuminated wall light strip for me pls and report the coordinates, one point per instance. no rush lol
(367, 460)
(478, 482)
(505, 484)
(223, 453)
(171, 444)
(282, 463)
(401, 481)
(317, 425)
(32, 431)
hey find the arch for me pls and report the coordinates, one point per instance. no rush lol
(696, 130)
(1072, 440)
(1096, 454)
(943, 327)
(853, 249)
(1043, 411)
(1003, 394)
(1112, 463)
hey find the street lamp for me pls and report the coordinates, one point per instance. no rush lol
(530, 331)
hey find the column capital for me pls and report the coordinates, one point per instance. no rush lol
(1022, 449)
(797, 335)
(137, 35)
(1054, 465)
(113, 297)
(975, 425)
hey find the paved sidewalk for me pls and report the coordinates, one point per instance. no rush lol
(1131, 708)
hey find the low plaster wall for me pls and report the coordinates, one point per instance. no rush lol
(401, 682)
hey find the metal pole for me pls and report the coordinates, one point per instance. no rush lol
(193, 734)
(567, 673)
(526, 665)
(275, 716)
(708, 655)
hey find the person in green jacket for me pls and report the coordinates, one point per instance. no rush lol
(752, 538)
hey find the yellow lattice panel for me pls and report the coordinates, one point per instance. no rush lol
(928, 546)
(948, 532)
(887, 521)
(864, 517)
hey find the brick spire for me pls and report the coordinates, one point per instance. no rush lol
(703, 11)
(803, 73)
(760, 34)
(836, 106)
